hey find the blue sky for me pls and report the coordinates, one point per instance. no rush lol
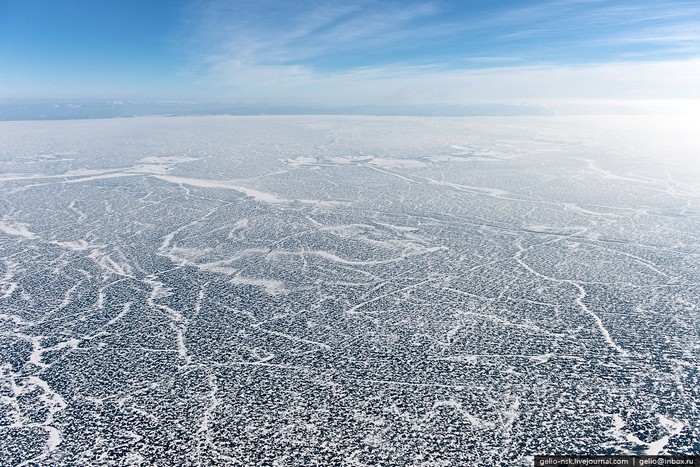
(351, 52)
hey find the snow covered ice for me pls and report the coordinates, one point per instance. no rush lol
(347, 290)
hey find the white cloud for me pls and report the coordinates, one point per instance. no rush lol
(267, 54)
(270, 34)
(633, 81)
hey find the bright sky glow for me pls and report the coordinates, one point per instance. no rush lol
(352, 53)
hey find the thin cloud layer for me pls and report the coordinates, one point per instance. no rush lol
(340, 53)
(335, 53)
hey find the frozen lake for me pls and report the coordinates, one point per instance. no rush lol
(348, 290)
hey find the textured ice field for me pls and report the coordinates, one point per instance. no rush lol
(348, 290)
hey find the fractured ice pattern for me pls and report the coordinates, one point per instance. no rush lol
(347, 290)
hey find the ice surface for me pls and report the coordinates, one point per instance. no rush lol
(347, 290)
